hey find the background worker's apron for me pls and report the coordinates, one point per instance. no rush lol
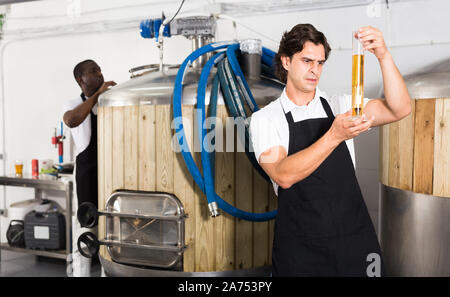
(86, 163)
(323, 227)
(86, 190)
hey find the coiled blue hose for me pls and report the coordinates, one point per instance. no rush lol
(206, 184)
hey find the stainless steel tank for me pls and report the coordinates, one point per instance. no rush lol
(415, 226)
(155, 88)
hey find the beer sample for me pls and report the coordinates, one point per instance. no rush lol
(19, 168)
(357, 76)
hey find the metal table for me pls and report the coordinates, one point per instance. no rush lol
(41, 184)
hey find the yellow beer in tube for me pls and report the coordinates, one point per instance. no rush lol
(357, 75)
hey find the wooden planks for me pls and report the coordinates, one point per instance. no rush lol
(260, 229)
(105, 136)
(244, 229)
(223, 226)
(384, 157)
(135, 152)
(205, 249)
(415, 151)
(424, 146)
(394, 155)
(184, 190)
(441, 171)
(164, 153)
(398, 142)
(406, 142)
(147, 148)
(131, 143)
(118, 149)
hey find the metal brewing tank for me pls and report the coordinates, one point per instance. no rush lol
(155, 88)
(414, 216)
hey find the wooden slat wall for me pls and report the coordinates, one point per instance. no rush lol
(394, 155)
(406, 143)
(164, 153)
(147, 148)
(118, 149)
(224, 225)
(184, 190)
(131, 142)
(398, 138)
(441, 181)
(260, 229)
(424, 146)
(205, 249)
(415, 151)
(384, 157)
(244, 229)
(105, 115)
(135, 153)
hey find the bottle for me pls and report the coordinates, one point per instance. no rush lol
(357, 75)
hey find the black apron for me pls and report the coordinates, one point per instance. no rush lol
(323, 227)
(86, 171)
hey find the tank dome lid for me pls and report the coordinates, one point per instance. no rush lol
(432, 81)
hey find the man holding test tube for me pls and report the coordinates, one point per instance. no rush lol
(323, 227)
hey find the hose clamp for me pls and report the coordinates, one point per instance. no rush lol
(213, 209)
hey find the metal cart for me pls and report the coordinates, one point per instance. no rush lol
(39, 185)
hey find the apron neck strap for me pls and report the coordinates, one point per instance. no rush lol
(327, 108)
(325, 105)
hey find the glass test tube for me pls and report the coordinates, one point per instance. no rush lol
(357, 75)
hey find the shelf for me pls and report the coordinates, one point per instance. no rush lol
(59, 254)
(29, 182)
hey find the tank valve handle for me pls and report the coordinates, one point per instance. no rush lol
(91, 244)
(87, 215)
(213, 209)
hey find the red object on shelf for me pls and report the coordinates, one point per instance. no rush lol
(35, 167)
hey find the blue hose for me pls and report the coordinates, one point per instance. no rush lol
(267, 56)
(231, 54)
(206, 185)
(227, 78)
(201, 90)
(177, 95)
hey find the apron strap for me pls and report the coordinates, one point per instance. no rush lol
(325, 105)
(83, 97)
(288, 115)
(327, 108)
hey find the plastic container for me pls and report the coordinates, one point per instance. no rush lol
(18, 210)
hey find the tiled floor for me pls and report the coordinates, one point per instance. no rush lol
(14, 264)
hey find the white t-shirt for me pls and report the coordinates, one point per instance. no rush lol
(269, 127)
(82, 133)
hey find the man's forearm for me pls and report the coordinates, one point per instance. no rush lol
(395, 90)
(76, 116)
(300, 165)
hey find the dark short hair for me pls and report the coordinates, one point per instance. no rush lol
(79, 68)
(293, 42)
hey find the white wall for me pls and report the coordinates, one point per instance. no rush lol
(38, 72)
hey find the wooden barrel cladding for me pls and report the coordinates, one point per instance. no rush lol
(415, 152)
(135, 153)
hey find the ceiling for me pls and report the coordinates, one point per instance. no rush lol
(13, 1)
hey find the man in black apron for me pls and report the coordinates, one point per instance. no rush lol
(323, 227)
(90, 79)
